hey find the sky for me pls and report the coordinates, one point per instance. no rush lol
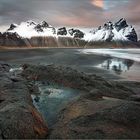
(73, 13)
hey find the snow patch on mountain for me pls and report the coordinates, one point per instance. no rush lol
(119, 31)
(30, 29)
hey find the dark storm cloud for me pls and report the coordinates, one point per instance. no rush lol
(87, 13)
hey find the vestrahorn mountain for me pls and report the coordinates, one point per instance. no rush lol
(31, 33)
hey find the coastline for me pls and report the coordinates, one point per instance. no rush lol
(75, 58)
(97, 90)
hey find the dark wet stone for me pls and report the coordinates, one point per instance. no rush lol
(18, 117)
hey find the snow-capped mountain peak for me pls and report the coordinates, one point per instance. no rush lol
(118, 31)
(30, 28)
(30, 23)
(44, 24)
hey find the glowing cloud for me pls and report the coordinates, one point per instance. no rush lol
(98, 3)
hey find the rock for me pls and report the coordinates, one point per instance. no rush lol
(72, 78)
(100, 119)
(4, 67)
(62, 31)
(132, 35)
(38, 28)
(76, 33)
(44, 24)
(12, 39)
(102, 110)
(121, 24)
(108, 26)
(12, 26)
(18, 117)
(135, 98)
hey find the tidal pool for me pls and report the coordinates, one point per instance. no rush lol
(52, 99)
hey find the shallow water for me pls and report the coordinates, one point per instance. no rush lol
(123, 62)
(117, 65)
(132, 54)
(52, 99)
(85, 60)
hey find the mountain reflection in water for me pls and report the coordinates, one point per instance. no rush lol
(117, 65)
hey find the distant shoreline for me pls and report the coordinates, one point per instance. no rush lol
(30, 48)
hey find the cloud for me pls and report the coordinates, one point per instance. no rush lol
(87, 13)
(98, 3)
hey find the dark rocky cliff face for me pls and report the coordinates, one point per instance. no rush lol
(76, 40)
(12, 39)
(132, 36)
(44, 35)
(56, 42)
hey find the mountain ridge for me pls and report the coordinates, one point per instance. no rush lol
(33, 32)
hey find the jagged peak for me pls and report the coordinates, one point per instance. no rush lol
(112, 31)
(12, 26)
(121, 23)
(30, 22)
(121, 20)
(108, 25)
(44, 24)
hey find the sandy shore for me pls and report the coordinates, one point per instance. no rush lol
(69, 57)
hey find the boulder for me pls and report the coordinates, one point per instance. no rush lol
(18, 117)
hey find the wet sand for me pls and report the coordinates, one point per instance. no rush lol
(89, 63)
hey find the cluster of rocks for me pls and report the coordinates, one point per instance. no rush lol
(105, 109)
(67, 76)
(18, 117)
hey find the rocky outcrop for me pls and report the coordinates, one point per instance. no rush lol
(76, 33)
(12, 27)
(18, 117)
(12, 39)
(106, 118)
(103, 110)
(122, 24)
(75, 79)
(62, 31)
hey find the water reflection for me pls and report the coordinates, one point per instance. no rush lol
(117, 65)
(52, 99)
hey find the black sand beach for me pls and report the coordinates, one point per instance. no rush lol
(89, 63)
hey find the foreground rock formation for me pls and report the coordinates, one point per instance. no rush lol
(104, 109)
(18, 117)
